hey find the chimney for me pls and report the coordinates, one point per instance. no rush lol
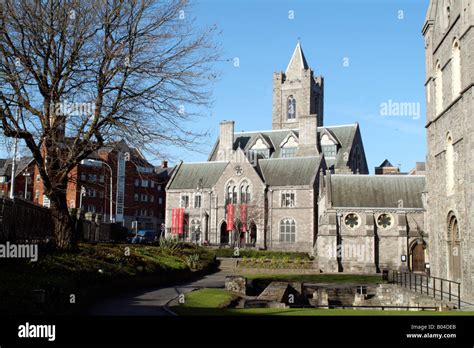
(308, 127)
(164, 164)
(226, 141)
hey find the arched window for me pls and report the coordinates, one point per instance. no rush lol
(248, 195)
(439, 88)
(244, 192)
(287, 231)
(456, 69)
(454, 248)
(234, 195)
(231, 193)
(291, 108)
(449, 164)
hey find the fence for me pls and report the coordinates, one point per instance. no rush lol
(21, 220)
(90, 229)
(438, 288)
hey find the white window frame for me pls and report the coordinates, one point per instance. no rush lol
(284, 194)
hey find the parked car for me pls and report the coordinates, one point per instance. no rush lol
(145, 236)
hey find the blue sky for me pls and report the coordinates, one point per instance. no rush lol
(382, 45)
(385, 53)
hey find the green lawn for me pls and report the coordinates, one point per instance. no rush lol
(192, 311)
(207, 298)
(261, 254)
(93, 269)
(208, 302)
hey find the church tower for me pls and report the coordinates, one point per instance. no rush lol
(297, 93)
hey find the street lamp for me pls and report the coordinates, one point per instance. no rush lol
(26, 175)
(82, 194)
(110, 198)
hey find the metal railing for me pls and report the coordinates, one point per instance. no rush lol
(438, 288)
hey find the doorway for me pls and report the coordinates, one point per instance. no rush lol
(418, 257)
(224, 233)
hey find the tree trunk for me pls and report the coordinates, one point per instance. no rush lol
(64, 232)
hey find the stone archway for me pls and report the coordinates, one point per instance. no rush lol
(454, 248)
(224, 235)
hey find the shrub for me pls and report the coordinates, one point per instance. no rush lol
(169, 245)
(192, 261)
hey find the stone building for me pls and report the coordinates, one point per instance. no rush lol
(269, 189)
(374, 222)
(449, 45)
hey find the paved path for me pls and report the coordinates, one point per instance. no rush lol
(151, 301)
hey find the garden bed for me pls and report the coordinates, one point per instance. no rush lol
(93, 272)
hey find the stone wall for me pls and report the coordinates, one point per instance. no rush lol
(303, 213)
(454, 118)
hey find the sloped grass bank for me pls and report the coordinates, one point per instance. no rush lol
(67, 283)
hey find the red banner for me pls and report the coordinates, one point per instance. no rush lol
(177, 220)
(243, 217)
(180, 220)
(173, 221)
(230, 217)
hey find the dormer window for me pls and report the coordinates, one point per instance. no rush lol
(288, 152)
(291, 108)
(260, 150)
(289, 147)
(328, 146)
(329, 150)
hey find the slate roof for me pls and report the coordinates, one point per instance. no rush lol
(296, 171)
(188, 175)
(21, 164)
(344, 135)
(377, 191)
(385, 163)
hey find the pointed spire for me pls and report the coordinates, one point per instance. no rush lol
(297, 62)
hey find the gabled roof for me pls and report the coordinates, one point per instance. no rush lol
(386, 163)
(297, 61)
(345, 134)
(21, 164)
(377, 191)
(296, 171)
(188, 175)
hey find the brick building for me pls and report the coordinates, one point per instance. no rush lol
(138, 187)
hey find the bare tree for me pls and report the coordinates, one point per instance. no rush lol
(78, 74)
(242, 221)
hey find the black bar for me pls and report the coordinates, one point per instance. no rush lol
(450, 291)
(441, 288)
(459, 295)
